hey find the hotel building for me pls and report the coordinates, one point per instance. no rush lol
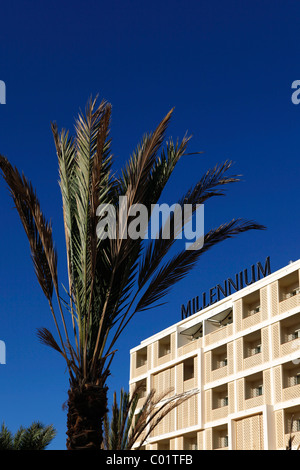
(241, 354)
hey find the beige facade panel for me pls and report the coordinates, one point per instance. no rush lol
(164, 382)
(209, 439)
(264, 303)
(230, 358)
(249, 433)
(231, 398)
(166, 424)
(238, 314)
(187, 413)
(219, 334)
(279, 425)
(208, 366)
(239, 359)
(277, 384)
(200, 440)
(276, 340)
(190, 347)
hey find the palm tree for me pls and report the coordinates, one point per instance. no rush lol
(110, 280)
(35, 437)
(129, 426)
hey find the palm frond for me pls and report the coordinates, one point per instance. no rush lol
(39, 234)
(125, 251)
(206, 188)
(178, 267)
(6, 438)
(35, 437)
(38, 231)
(46, 337)
(130, 427)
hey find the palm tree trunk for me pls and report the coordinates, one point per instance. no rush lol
(86, 409)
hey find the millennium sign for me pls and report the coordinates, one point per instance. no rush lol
(229, 286)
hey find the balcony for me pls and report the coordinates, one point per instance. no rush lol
(291, 381)
(219, 402)
(254, 390)
(219, 327)
(220, 437)
(190, 339)
(164, 350)
(219, 363)
(190, 441)
(140, 362)
(289, 292)
(290, 335)
(292, 426)
(252, 349)
(251, 310)
(189, 374)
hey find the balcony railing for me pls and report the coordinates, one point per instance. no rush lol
(253, 360)
(218, 413)
(219, 334)
(219, 373)
(254, 401)
(290, 300)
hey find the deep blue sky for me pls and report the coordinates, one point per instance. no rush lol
(226, 67)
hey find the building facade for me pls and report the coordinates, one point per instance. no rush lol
(241, 356)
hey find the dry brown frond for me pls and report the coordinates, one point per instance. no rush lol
(38, 231)
(47, 338)
(155, 408)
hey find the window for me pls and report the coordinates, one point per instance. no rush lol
(293, 335)
(256, 349)
(292, 293)
(254, 310)
(295, 379)
(296, 334)
(294, 424)
(224, 401)
(258, 391)
(223, 362)
(224, 441)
